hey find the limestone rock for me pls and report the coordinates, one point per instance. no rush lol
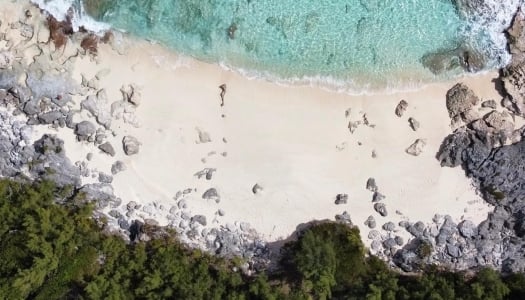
(344, 218)
(131, 145)
(341, 199)
(378, 197)
(401, 108)
(50, 117)
(105, 178)
(417, 147)
(460, 99)
(206, 172)
(381, 209)
(467, 229)
(489, 104)
(389, 226)
(131, 94)
(370, 222)
(204, 137)
(371, 185)
(84, 130)
(414, 124)
(211, 194)
(118, 167)
(199, 219)
(107, 148)
(256, 189)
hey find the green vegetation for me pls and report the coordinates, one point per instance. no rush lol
(59, 251)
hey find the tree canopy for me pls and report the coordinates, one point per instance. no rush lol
(60, 251)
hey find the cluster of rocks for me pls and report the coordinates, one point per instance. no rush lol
(489, 147)
(416, 148)
(486, 144)
(47, 98)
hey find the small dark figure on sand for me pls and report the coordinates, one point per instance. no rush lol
(223, 92)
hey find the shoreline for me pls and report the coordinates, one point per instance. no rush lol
(412, 80)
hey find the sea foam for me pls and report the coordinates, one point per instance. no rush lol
(355, 47)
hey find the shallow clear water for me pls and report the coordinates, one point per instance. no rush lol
(362, 43)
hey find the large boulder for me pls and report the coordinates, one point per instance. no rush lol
(460, 100)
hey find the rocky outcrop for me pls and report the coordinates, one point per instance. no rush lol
(513, 76)
(492, 155)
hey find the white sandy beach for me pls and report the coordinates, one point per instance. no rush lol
(292, 141)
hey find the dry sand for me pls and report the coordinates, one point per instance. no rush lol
(292, 141)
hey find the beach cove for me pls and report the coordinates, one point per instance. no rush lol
(262, 157)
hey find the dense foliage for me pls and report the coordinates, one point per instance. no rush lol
(58, 251)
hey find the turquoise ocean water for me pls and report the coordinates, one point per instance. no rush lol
(358, 44)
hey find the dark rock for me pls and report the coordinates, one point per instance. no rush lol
(256, 189)
(370, 222)
(417, 147)
(123, 224)
(399, 240)
(107, 148)
(381, 209)
(211, 194)
(389, 243)
(206, 173)
(50, 117)
(414, 124)
(378, 197)
(401, 108)
(371, 185)
(341, 199)
(50, 162)
(136, 230)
